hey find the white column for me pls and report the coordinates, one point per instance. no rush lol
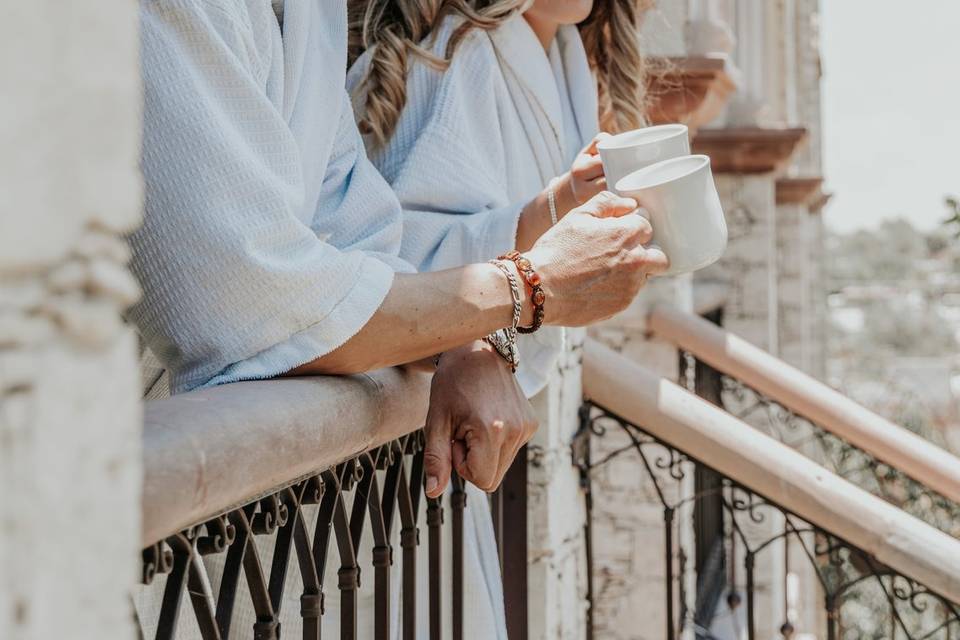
(748, 107)
(69, 385)
(708, 32)
(791, 78)
(663, 27)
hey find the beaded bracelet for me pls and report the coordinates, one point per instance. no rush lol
(537, 295)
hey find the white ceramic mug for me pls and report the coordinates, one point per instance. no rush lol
(626, 152)
(682, 204)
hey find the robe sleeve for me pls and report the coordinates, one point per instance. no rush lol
(446, 160)
(236, 283)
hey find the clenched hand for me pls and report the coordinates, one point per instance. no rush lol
(477, 421)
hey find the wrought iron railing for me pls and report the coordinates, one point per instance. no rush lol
(305, 539)
(273, 557)
(844, 459)
(801, 409)
(877, 579)
(817, 421)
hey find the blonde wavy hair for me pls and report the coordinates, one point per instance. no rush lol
(398, 31)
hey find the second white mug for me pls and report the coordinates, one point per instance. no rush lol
(683, 206)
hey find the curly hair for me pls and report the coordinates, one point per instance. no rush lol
(396, 30)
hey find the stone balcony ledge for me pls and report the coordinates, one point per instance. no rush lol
(206, 452)
(805, 191)
(749, 150)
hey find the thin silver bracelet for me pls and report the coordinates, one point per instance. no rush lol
(504, 341)
(552, 200)
(514, 292)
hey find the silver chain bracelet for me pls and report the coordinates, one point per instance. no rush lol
(552, 200)
(504, 341)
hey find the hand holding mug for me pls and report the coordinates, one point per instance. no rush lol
(593, 263)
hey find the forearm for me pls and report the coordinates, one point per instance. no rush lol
(422, 315)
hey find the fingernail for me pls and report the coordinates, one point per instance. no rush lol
(432, 482)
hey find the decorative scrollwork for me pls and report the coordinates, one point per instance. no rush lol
(747, 502)
(671, 462)
(233, 568)
(219, 535)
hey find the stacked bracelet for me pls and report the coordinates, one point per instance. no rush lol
(537, 295)
(504, 341)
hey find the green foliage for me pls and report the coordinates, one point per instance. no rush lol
(953, 221)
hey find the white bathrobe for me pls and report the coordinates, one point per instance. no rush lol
(268, 238)
(477, 142)
(473, 146)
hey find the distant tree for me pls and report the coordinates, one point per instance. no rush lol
(888, 253)
(890, 329)
(937, 241)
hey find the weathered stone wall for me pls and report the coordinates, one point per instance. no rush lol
(794, 305)
(557, 578)
(69, 392)
(750, 265)
(629, 570)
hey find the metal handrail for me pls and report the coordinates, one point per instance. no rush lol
(900, 448)
(207, 452)
(772, 470)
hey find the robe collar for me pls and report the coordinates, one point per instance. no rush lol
(523, 55)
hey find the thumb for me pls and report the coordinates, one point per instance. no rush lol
(591, 148)
(436, 455)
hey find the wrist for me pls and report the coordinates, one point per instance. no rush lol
(565, 195)
(456, 357)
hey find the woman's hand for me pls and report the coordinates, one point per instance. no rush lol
(574, 188)
(477, 421)
(584, 180)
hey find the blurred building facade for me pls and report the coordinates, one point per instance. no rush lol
(746, 77)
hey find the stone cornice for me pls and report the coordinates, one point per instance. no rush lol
(749, 149)
(820, 201)
(690, 90)
(803, 191)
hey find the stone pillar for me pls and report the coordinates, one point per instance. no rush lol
(628, 518)
(749, 106)
(557, 575)
(69, 385)
(749, 267)
(794, 306)
(707, 31)
(809, 162)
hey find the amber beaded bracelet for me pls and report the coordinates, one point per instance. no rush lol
(537, 295)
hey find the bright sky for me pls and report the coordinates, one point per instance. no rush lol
(891, 109)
